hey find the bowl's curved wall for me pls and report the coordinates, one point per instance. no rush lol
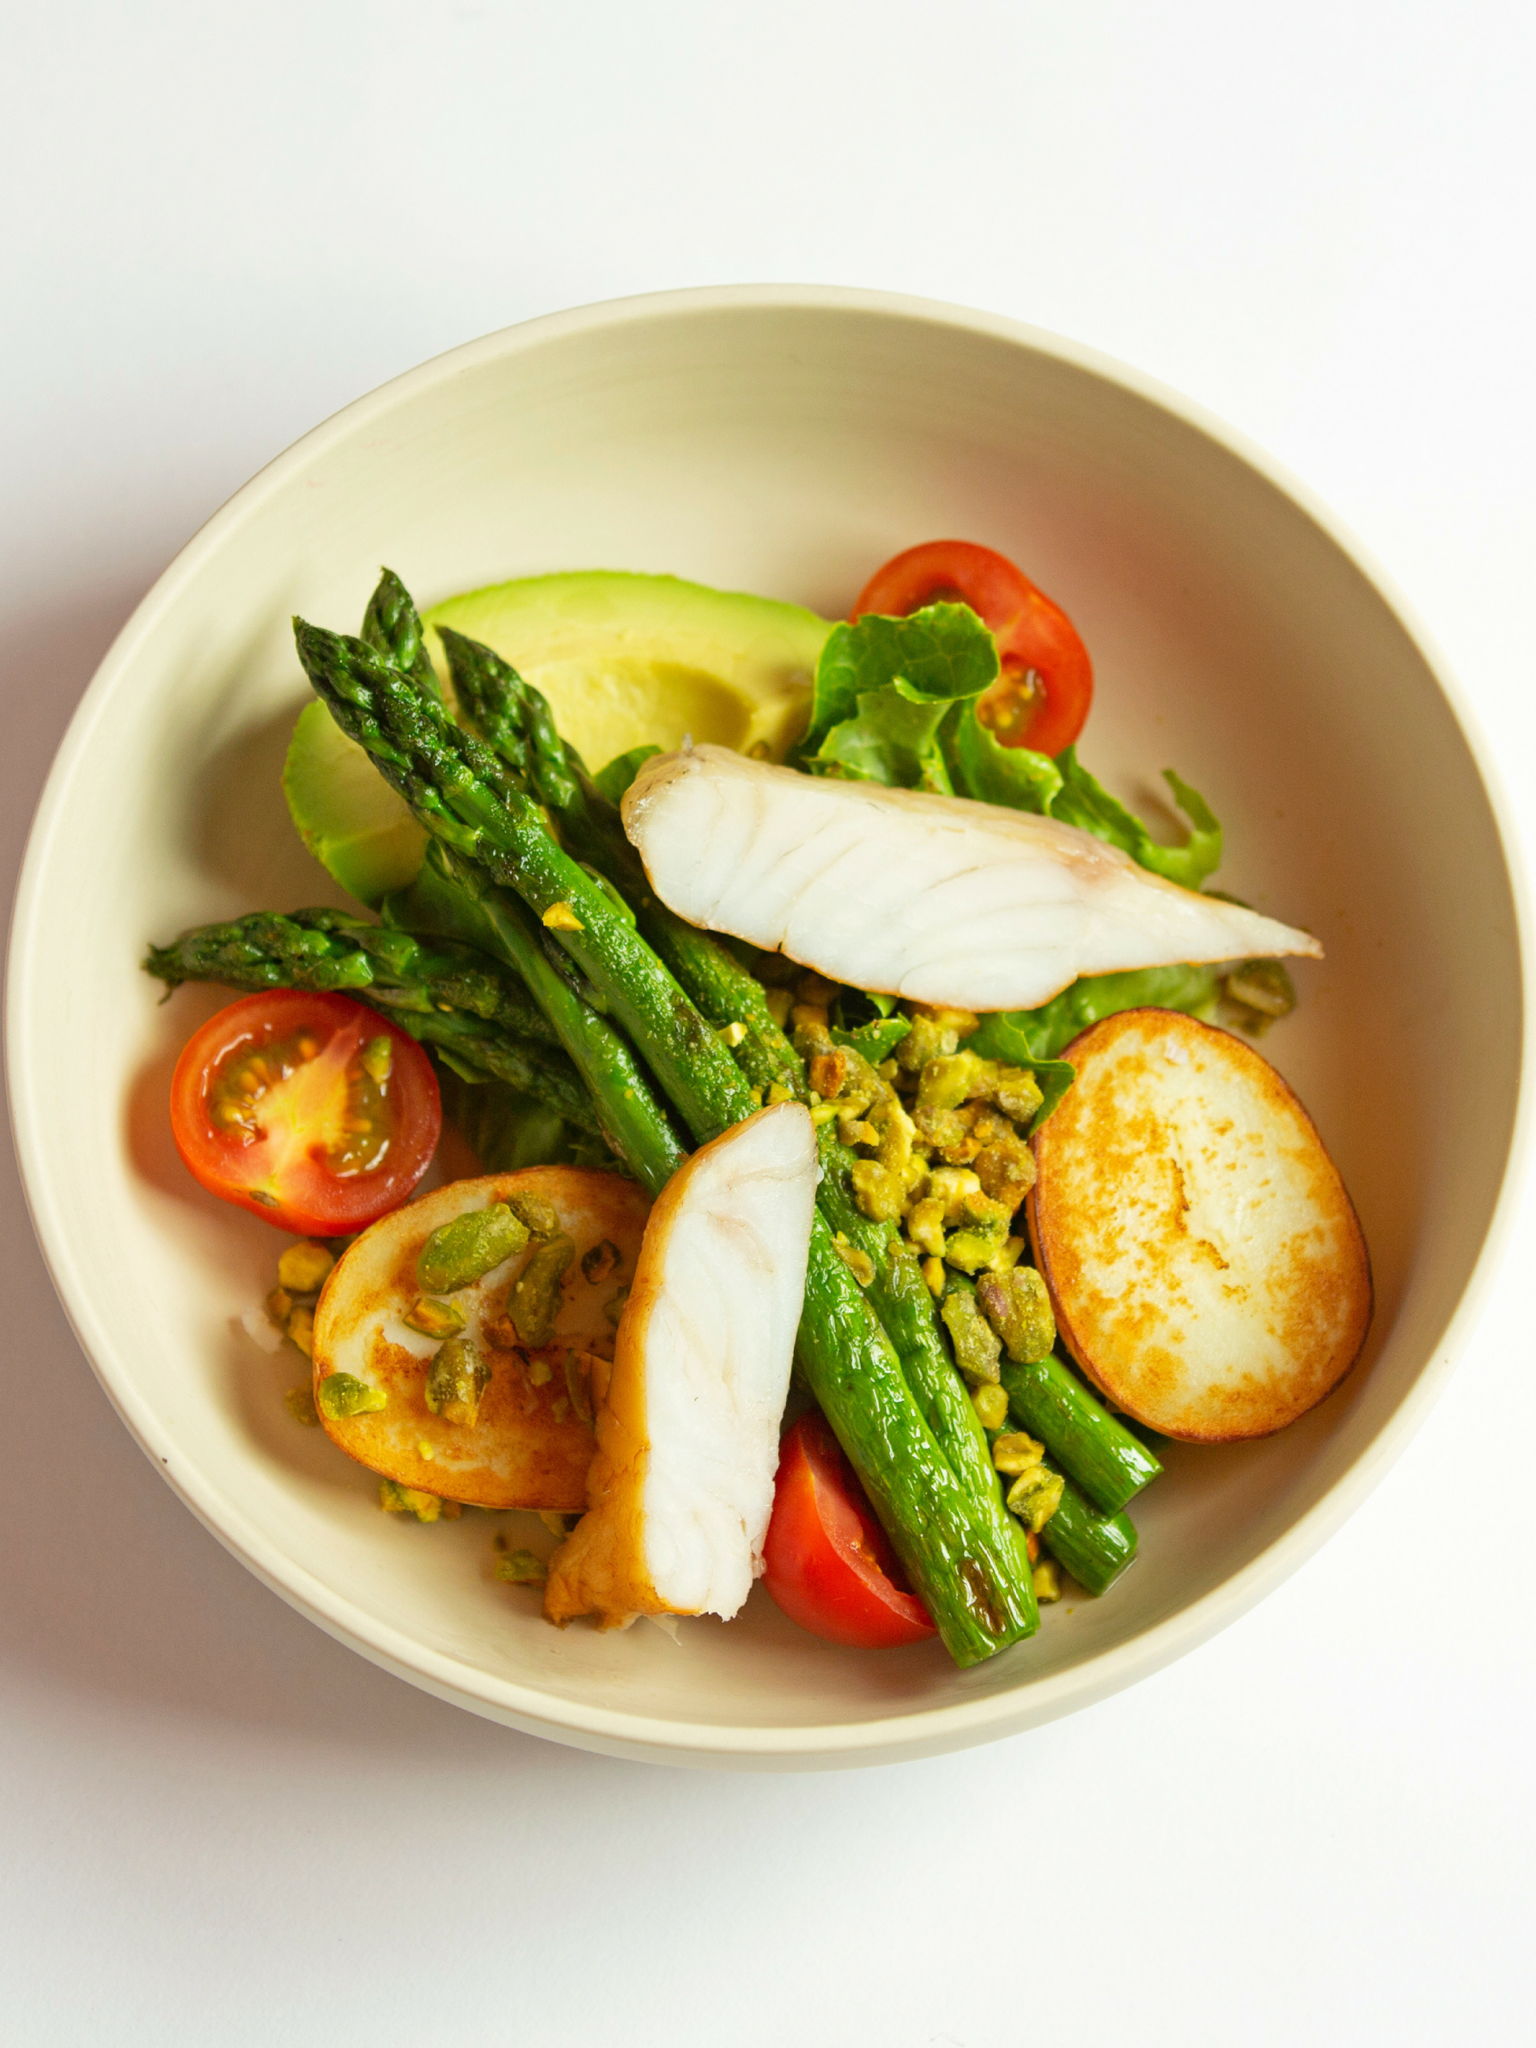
(783, 442)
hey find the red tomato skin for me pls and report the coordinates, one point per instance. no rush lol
(820, 1554)
(1031, 631)
(311, 1201)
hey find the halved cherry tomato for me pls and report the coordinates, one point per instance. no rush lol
(828, 1563)
(312, 1111)
(1042, 696)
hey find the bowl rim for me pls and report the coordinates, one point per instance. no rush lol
(888, 1738)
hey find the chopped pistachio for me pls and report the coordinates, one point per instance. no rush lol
(434, 1318)
(1013, 1452)
(560, 917)
(1264, 986)
(467, 1247)
(808, 1018)
(535, 1300)
(1018, 1307)
(600, 1263)
(540, 1371)
(977, 1351)
(991, 1404)
(1006, 1170)
(778, 1092)
(1035, 1496)
(877, 1191)
(951, 1079)
(613, 1307)
(578, 1384)
(828, 1072)
(1016, 1091)
(935, 1034)
(935, 1277)
(303, 1268)
(984, 1236)
(521, 1568)
(951, 1185)
(825, 1113)
(541, 1217)
(925, 1226)
(733, 1033)
(555, 1523)
(396, 1499)
(300, 1328)
(456, 1382)
(1046, 1579)
(815, 988)
(300, 1403)
(777, 1001)
(279, 1307)
(858, 1262)
(378, 1058)
(855, 1130)
(340, 1394)
(888, 1070)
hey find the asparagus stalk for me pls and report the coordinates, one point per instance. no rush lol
(392, 627)
(1094, 1548)
(1083, 1438)
(465, 797)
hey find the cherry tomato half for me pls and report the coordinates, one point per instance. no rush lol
(1041, 699)
(312, 1111)
(828, 1563)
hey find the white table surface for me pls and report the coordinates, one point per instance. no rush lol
(221, 224)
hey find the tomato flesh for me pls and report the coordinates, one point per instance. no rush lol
(1042, 697)
(827, 1562)
(312, 1111)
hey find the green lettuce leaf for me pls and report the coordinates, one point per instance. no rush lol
(1083, 801)
(1023, 1037)
(980, 767)
(876, 1040)
(621, 771)
(893, 738)
(941, 653)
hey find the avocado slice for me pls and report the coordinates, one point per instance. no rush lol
(626, 661)
(361, 833)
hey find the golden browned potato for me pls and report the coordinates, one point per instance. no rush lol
(474, 1381)
(1204, 1261)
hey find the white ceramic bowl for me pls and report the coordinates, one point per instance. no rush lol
(783, 441)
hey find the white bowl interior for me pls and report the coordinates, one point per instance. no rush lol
(783, 444)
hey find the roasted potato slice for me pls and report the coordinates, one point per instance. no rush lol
(523, 1438)
(1204, 1261)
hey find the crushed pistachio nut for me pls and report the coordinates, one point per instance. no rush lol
(300, 1328)
(858, 1262)
(280, 1306)
(396, 1499)
(778, 1092)
(300, 1403)
(777, 1002)
(1017, 1093)
(556, 1523)
(303, 1268)
(824, 1113)
(535, 1300)
(925, 1226)
(977, 1351)
(578, 1385)
(540, 1371)
(1035, 1496)
(877, 1191)
(828, 1072)
(951, 1079)
(521, 1568)
(934, 1035)
(984, 1237)
(541, 1217)
(600, 1263)
(808, 1020)
(468, 1247)
(991, 1404)
(434, 1318)
(1018, 1307)
(1013, 1452)
(732, 1034)
(935, 1277)
(1006, 1170)
(1046, 1579)
(560, 917)
(378, 1059)
(341, 1394)
(854, 1130)
(456, 1382)
(953, 1185)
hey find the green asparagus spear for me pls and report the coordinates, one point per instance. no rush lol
(392, 627)
(1094, 1548)
(1083, 1438)
(469, 801)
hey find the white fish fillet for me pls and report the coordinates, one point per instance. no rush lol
(935, 898)
(681, 1488)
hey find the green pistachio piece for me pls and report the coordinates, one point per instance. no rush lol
(456, 1382)
(339, 1395)
(1035, 1496)
(1018, 1307)
(521, 1568)
(303, 1268)
(541, 1217)
(434, 1318)
(977, 1351)
(464, 1250)
(535, 1301)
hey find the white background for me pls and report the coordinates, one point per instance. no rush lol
(221, 223)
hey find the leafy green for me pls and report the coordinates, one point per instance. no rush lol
(1085, 802)
(876, 1041)
(1028, 1037)
(621, 772)
(980, 767)
(941, 653)
(508, 1130)
(894, 739)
